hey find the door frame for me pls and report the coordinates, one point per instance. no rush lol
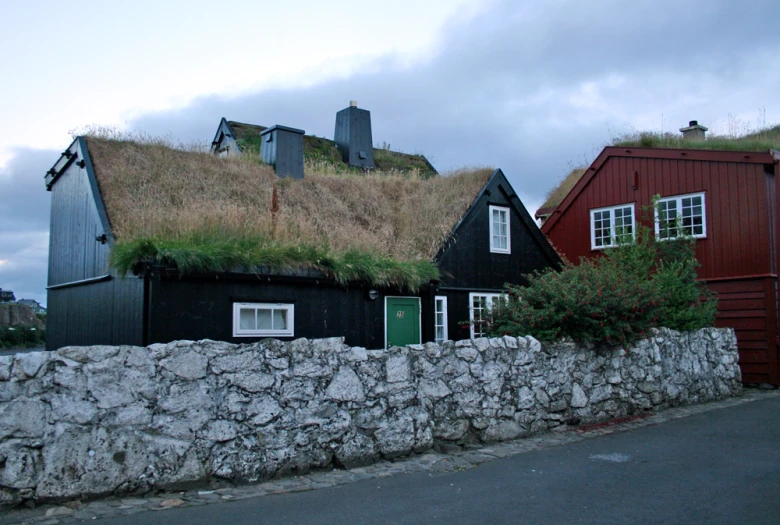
(419, 314)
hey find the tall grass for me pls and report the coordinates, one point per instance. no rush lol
(203, 213)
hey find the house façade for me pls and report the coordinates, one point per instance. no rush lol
(153, 244)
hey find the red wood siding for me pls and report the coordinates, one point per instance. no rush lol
(739, 254)
(736, 208)
(748, 306)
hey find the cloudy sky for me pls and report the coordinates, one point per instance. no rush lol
(532, 87)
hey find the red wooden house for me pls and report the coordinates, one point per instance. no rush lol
(728, 200)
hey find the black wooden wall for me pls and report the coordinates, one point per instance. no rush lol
(86, 303)
(197, 308)
(467, 264)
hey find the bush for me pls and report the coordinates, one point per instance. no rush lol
(21, 336)
(613, 299)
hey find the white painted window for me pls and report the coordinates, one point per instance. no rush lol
(499, 230)
(479, 311)
(263, 320)
(440, 318)
(679, 216)
(611, 226)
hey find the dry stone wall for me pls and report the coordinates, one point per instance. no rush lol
(87, 421)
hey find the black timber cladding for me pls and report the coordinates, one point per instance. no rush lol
(86, 303)
(353, 137)
(466, 263)
(282, 148)
(199, 307)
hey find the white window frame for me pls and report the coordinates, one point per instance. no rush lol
(505, 211)
(287, 332)
(612, 237)
(489, 299)
(677, 199)
(436, 312)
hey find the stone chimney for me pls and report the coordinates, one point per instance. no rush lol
(282, 148)
(694, 131)
(353, 136)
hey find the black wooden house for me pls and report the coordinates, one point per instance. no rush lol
(488, 240)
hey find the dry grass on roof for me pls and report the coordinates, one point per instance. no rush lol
(760, 140)
(556, 195)
(158, 194)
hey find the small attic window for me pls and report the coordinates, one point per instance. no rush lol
(362, 154)
(499, 230)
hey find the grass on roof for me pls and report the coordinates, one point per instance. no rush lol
(559, 192)
(201, 213)
(319, 151)
(761, 140)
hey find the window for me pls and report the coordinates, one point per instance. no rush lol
(479, 311)
(611, 226)
(499, 229)
(263, 320)
(680, 216)
(440, 318)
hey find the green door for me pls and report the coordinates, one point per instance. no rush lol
(402, 321)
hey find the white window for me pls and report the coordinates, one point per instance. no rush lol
(263, 320)
(440, 318)
(611, 226)
(499, 230)
(479, 311)
(680, 216)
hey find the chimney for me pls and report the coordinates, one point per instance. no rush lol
(282, 148)
(694, 131)
(353, 136)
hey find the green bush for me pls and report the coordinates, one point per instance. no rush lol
(21, 336)
(613, 299)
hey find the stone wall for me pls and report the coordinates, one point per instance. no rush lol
(86, 421)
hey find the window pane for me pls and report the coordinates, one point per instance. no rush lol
(264, 320)
(280, 319)
(439, 333)
(247, 319)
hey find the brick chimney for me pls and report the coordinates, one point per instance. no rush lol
(282, 148)
(353, 136)
(694, 131)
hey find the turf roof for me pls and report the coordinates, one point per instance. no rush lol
(761, 140)
(322, 150)
(199, 212)
(559, 192)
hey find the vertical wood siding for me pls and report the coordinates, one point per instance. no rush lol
(74, 254)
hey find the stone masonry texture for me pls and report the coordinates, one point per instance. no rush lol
(91, 421)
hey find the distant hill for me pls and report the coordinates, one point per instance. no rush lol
(15, 314)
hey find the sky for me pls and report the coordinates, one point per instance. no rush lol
(535, 88)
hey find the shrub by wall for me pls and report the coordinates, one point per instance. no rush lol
(87, 421)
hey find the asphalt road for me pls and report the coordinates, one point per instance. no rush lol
(720, 467)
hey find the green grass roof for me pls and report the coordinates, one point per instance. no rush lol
(318, 150)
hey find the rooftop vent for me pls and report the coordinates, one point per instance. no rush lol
(353, 136)
(282, 148)
(694, 131)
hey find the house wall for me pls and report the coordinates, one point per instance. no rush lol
(467, 264)
(86, 303)
(88, 421)
(202, 308)
(738, 255)
(108, 312)
(74, 252)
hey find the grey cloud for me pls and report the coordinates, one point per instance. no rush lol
(24, 223)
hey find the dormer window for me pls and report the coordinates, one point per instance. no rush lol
(499, 230)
